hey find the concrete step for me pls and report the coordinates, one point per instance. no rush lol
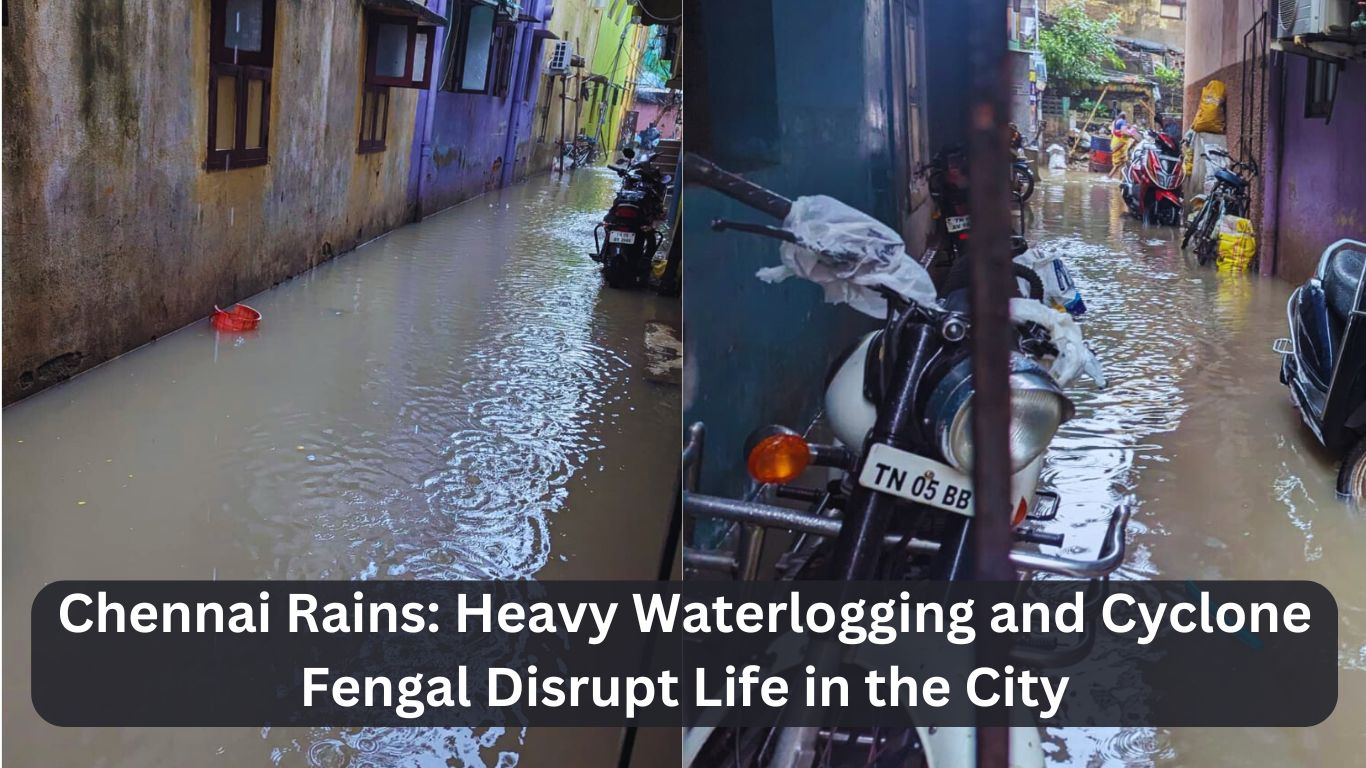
(666, 154)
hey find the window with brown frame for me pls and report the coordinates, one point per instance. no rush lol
(241, 59)
(504, 41)
(398, 52)
(374, 118)
(481, 57)
(533, 65)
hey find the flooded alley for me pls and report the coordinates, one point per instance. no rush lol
(1197, 432)
(459, 399)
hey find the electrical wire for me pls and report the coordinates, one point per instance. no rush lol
(658, 19)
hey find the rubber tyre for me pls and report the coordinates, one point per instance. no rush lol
(1024, 183)
(1205, 243)
(616, 270)
(1352, 475)
(1032, 279)
(617, 278)
(1193, 227)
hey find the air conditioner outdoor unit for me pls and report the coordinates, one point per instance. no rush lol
(561, 58)
(1306, 18)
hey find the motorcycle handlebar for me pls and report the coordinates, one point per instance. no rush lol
(699, 170)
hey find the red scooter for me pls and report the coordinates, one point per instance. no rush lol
(1152, 180)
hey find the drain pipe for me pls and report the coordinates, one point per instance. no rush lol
(427, 114)
(517, 107)
(1271, 174)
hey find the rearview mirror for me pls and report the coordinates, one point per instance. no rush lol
(628, 153)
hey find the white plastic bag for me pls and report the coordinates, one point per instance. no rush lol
(850, 254)
(1205, 163)
(1059, 292)
(1057, 157)
(1074, 356)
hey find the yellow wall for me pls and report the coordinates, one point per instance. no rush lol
(578, 22)
(114, 231)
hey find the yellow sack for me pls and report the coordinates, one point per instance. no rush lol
(1209, 118)
(1237, 245)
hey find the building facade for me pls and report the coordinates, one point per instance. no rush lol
(1159, 21)
(474, 119)
(559, 109)
(1315, 147)
(613, 67)
(1298, 111)
(162, 158)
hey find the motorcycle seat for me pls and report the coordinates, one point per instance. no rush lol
(1341, 279)
(1230, 178)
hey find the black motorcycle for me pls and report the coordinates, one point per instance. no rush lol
(1021, 178)
(915, 379)
(899, 401)
(628, 237)
(1021, 174)
(1324, 360)
(947, 176)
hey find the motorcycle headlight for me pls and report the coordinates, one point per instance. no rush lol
(1037, 408)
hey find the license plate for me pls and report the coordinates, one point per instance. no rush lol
(618, 236)
(959, 223)
(917, 479)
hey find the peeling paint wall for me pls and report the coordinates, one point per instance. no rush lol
(1322, 198)
(825, 122)
(477, 142)
(576, 21)
(617, 58)
(114, 232)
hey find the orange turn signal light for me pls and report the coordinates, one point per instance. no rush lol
(1021, 512)
(779, 458)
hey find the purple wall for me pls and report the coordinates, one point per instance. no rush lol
(467, 144)
(1321, 196)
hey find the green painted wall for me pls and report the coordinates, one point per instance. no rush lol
(616, 57)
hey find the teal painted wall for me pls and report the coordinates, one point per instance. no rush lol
(798, 95)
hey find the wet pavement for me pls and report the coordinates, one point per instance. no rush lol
(461, 398)
(1197, 432)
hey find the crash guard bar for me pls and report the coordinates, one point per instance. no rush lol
(754, 517)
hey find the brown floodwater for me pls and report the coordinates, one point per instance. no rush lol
(460, 399)
(1197, 432)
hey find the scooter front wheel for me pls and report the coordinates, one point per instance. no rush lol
(1352, 475)
(1024, 183)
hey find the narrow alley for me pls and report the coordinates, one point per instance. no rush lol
(1197, 432)
(458, 399)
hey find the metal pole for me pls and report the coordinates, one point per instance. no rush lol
(992, 281)
(564, 107)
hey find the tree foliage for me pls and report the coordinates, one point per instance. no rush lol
(1171, 79)
(1076, 46)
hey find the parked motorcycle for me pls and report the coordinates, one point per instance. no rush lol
(900, 403)
(1021, 177)
(1323, 362)
(1152, 180)
(628, 237)
(1021, 173)
(1043, 277)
